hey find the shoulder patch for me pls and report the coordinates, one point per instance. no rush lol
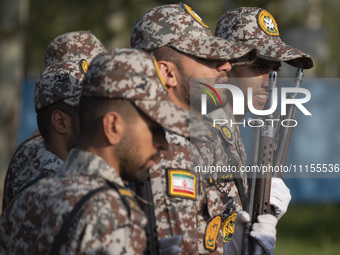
(211, 233)
(229, 227)
(182, 183)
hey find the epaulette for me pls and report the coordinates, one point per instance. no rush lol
(212, 131)
(127, 196)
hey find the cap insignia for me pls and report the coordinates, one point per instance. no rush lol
(267, 23)
(84, 65)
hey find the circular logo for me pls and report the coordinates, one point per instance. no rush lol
(227, 133)
(267, 23)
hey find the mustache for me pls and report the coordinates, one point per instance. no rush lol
(221, 76)
(155, 156)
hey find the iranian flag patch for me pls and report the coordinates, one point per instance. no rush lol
(182, 183)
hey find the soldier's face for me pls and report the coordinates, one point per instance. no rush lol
(139, 148)
(207, 71)
(255, 76)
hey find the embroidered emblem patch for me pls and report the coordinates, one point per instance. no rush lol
(193, 14)
(229, 227)
(158, 73)
(267, 23)
(182, 183)
(211, 233)
(227, 134)
(84, 65)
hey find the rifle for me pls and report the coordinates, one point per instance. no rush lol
(270, 148)
(259, 188)
(283, 134)
(143, 189)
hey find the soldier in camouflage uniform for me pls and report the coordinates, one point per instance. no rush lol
(31, 155)
(185, 203)
(257, 27)
(121, 110)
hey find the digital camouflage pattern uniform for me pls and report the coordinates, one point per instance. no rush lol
(229, 138)
(257, 27)
(213, 150)
(183, 207)
(31, 155)
(29, 159)
(106, 226)
(192, 211)
(111, 222)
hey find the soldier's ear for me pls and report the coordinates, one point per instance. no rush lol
(169, 73)
(113, 127)
(60, 121)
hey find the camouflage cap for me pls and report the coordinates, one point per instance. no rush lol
(72, 46)
(133, 75)
(179, 27)
(258, 27)
(59, 83)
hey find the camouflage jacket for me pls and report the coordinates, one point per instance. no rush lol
(213, 148)
(30, 158)
(110, 223)
(184, 203)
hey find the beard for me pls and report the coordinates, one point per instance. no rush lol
(183, 93)
(74, 136)
(193, 97)
(132, 167)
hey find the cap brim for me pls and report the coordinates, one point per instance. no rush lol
(211, 47)
(167, 114)
(273, 49)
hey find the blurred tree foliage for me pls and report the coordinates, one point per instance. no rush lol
(112, 21)
(331, 23)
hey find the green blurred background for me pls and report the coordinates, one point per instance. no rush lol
(27, 26)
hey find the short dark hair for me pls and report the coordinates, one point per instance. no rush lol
(44, 118)
(92, 110)
(167, 53)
